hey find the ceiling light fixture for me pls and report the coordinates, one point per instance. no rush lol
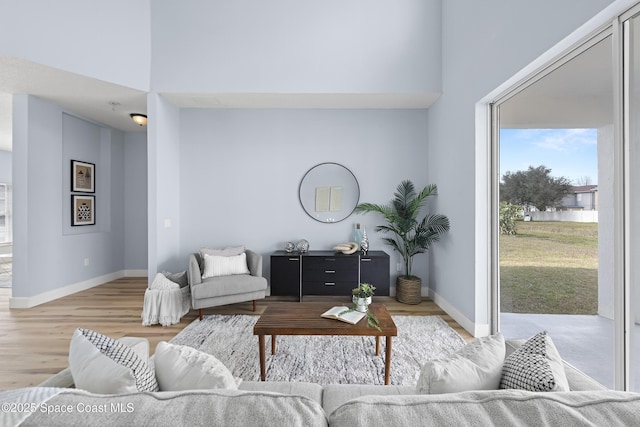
(139, 119)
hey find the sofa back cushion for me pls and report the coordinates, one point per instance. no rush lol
(492, 408)
(195, 407)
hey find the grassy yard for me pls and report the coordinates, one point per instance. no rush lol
(550, 267)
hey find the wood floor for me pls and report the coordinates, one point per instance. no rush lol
(34, 342)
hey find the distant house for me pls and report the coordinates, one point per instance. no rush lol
(582, 198)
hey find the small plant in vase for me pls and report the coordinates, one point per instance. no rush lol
(362, 296)
(361, 300)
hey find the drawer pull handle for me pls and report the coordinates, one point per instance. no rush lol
(330, 271)
(293, 259)
(329, 283)
(365, 259)
(329, 259)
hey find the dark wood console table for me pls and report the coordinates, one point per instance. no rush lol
(327, 272)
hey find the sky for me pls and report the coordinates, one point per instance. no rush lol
(572, 153)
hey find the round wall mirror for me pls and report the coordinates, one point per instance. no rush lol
(329, 192)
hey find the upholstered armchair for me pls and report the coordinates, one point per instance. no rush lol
(212, 286)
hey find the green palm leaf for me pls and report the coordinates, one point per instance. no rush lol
(410, 235)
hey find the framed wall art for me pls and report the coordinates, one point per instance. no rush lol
(83, 210)
(83, 177)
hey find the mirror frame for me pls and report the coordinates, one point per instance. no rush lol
(307, 193)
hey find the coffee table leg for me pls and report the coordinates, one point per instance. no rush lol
(263, 362)
(273, 344)
(378, 345)
(387, 361)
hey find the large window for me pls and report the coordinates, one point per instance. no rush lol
(556, 268)
(596, 86)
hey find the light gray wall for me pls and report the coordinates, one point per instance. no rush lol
(5, 166)
(135, 201)
(289, 46)
(164, 152)
(48, 253)
(484, 43)
(108, 40)
(240, 171)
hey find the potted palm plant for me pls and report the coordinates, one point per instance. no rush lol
(410, 235)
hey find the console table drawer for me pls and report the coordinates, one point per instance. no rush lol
(330, 274)
(327, 288)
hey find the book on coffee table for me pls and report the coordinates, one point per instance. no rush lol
(343, 314)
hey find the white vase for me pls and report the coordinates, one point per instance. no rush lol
(361, 303)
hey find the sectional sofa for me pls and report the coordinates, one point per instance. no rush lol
(56, 402)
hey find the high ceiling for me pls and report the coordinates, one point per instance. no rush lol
(111, 104)
(90, 98)
(578, 94)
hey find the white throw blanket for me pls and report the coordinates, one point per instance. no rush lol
(165, 302)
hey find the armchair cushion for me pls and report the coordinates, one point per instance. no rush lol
(228, 285)
(215, 265)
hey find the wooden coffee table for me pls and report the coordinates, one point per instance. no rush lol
(303, 318)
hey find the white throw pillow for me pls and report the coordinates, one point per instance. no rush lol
(535, 366)
(215, 266)
(161, 282)
(476, 366)
(100, 364)
(179, 367)
(228, 251)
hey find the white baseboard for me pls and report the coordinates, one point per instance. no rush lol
(32, 301)
(135, 273)
(468, 325)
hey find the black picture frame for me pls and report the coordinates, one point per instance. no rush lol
(83, 177)
(83, 210)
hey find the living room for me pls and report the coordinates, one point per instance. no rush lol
(242, 100)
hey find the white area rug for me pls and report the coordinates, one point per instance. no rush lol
(322, 360)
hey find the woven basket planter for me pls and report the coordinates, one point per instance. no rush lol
(409, 289)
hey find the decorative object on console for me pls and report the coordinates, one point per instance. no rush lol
(302, 246)
(357, 235)
(411, 237)
(346, 248)
(289, 247)
(364, 243)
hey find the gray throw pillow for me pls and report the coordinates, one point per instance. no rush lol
(179, 278)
